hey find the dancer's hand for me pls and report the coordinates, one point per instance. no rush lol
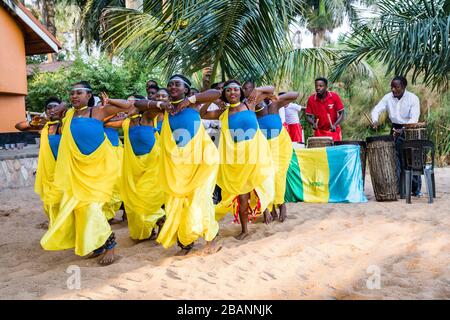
(273, 98)
(206, 73)
(105, 98)
(182, 105)
(37, 120)
(168, 107)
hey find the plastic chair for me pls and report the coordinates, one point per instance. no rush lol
(417, 159)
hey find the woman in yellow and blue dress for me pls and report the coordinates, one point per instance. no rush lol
(141, 192)
(188, 167)
(268, 116)
(85, 172)
(48, 153)
(246, 173)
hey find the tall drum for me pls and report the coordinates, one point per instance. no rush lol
(362, 152)
(382, 164)
(319, 142)
(416, 131)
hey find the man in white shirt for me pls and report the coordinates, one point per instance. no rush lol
(282, 113)
(403, 107)
(294, 127)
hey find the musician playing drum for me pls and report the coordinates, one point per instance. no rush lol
(403, 107)
(325, 111)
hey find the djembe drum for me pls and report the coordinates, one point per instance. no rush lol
(362, 153)
(319, 142)
(382, 164)
(416, 131)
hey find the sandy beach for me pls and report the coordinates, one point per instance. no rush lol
(323, 251)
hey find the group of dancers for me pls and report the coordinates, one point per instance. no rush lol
(166, 170)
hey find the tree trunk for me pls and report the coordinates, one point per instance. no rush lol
(319, 34)
(134, 4)
(48, 16)
(318, 38)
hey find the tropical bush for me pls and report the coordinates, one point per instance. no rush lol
(117, 79)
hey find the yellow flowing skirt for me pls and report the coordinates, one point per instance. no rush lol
(87, 183)
(44, 183)
(245, 167)
(141, 190)
(111, 207)
(281, 149)
(187, 176)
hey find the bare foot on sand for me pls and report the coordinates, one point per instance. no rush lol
(43, 225)
(160, 224)
(184, 249)
(242, 236)
(108, 258)
(283, 212)
(154, 235)
(182, 252)
(210, 248)
(114, 221)
(267, 217)
(96, 253)
(274, 214)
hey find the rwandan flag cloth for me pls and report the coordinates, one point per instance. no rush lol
(330, 174)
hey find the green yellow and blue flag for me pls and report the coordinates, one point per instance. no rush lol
(329, 174)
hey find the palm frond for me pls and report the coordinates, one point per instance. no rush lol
(241, 38)
(409, 37)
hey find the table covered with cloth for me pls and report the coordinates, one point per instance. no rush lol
(329, 174)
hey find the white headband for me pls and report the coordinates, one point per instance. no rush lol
(86, 89)
(232, 85)
(179, 79)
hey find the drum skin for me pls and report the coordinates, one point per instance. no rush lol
(319, 142)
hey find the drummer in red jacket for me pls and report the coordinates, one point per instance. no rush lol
(325, 111)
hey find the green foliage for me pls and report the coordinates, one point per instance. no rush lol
(409, 36)
(88, 19)
(439, 130)
(118, 80)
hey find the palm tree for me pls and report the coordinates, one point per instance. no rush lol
(409, 36)
(239, 38)
(321, 16)
(88, 24)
